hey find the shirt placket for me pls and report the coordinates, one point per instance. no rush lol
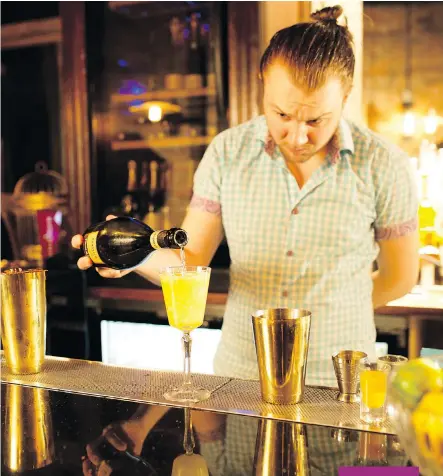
(294, 264)
(290, 258)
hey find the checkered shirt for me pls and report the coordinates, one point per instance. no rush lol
(311, 248)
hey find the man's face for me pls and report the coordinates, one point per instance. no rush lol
(301, 123)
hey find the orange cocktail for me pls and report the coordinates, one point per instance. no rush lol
(373, 391)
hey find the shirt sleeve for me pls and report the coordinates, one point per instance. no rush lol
(208, 178)
(396, 199)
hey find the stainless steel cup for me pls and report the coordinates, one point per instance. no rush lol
(346, 367)
(281, 342)
(24, 319)
(280, 448)
(28, 431)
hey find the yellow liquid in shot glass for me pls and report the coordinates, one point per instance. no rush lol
(373, 385)
(185, 298)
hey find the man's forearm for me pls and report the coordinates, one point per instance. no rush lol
(147, 416)
(150, 269)
(387, 288)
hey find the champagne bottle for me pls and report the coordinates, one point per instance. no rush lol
(124, 242)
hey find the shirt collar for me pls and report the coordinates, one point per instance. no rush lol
(342, 140)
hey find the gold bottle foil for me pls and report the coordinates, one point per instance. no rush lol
(282, 341)
(281, 448)
(28, 435)
(24, 319)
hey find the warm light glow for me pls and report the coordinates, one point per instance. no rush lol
(431, 122)
(155, 110)
(155, 113)
(409, 124)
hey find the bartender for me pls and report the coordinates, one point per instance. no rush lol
(307, 201)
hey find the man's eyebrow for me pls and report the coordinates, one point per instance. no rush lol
(277, 107)
(320, 116)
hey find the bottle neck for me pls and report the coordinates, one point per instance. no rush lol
(174, 238)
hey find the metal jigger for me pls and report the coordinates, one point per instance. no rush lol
(346, 369)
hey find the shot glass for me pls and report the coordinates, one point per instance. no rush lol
(373, 391)
(394, 362)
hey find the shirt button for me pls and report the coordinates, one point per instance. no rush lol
(289, 253)
(295, 211)
(285, 293)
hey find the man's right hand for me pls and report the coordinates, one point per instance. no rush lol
(85, 262)
(124, 435)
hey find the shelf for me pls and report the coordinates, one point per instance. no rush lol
(163, 94)
(170, 142)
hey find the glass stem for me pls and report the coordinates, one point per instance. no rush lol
(188, 439)
(187, 341)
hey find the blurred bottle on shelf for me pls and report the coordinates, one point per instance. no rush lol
(196, 53)
(155, 206)
(143, 192)
(177, 56)
(426, 216)
(130, 203)
(153, 187)
(161, 195)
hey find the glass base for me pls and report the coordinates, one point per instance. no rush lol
(373, 417)
(187, 394)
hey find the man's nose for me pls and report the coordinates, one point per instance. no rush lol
(298, 135)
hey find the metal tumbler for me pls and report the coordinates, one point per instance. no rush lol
(281, 448)
(28, 431)
(346, 367)
(281, 342)
(24, 319)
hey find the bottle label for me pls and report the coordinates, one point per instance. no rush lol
(91, 247)
(154, 240)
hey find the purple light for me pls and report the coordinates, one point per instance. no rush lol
(122, 63)
(136, 102)
(131, 86)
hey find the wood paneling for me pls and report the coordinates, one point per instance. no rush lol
(244, 57)
(274, 16)
(75, 141)
(31, 33)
